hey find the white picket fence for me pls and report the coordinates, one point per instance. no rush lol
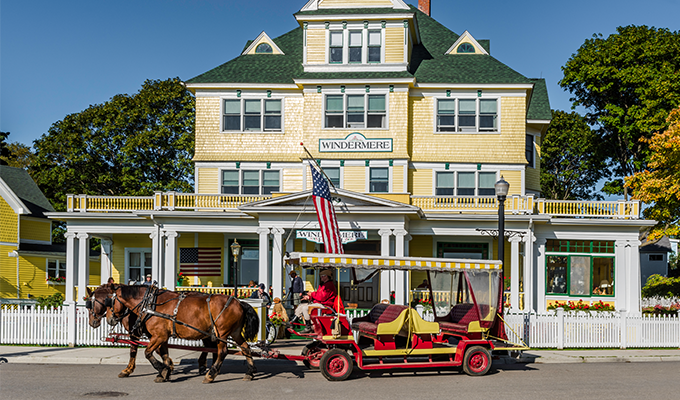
(30, 325)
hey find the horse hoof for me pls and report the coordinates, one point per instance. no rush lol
(202, 370)
(123, 375)
(248, 378)
(159, 379)
(207, 380)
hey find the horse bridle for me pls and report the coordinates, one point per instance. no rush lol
(90, 307)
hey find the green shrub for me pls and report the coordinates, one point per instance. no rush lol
(658, 285)
(54, 301)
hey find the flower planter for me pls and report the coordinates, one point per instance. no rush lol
(53, 283)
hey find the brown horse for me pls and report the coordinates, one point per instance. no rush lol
(192, 317)
(99, 305)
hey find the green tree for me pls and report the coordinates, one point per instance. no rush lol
(131, 145)
(571, 162)
(659, 184)
(628, 83)
(18, 155)
(4, 151)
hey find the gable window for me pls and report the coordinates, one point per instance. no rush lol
(252, 115)
(467, 115)
(355, 46)
(56, 269)
(580, 267)
(355, 111)
(379, 180)
(250, 182)
(263, 48)
(335, 48)
(466, 48)
(529, 149)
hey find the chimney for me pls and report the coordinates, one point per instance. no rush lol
(424, 6)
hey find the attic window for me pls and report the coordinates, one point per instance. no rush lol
(263, 48)
(466, 48)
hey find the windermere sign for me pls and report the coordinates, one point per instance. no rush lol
(346, 236)
(355, 142)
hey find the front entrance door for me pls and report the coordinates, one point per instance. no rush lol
(366, 293)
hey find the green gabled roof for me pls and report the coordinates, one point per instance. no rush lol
(429, 63)
(352, 11)
(539, 106)
(26, 190)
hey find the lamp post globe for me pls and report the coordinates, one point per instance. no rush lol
(235, 251)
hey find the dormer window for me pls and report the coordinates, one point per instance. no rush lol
(466, 48)
(263, 48)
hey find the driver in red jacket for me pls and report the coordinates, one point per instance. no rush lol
(325, 296)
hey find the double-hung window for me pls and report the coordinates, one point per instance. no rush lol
(379, 180)
(355, 111)
(467, 115)
(56, 269)
(374, 46)
(138, 264)
(444, 184)
(449, 183)
(250, 182)
(333, 173)
(355, 46)
(485, 184)
(529, 150)
(336, 47)
(252, 115)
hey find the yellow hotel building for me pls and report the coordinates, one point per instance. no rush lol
(412, 123)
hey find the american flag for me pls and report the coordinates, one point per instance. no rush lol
(326, 214)
(200, 261)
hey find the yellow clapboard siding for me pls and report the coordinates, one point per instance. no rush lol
(8, 272)
(316, 46)
(514, 178)
(208, 180)
(421, 182)
(36, 230)
(8, 222)
(354, 178)
(398, 179)
(291, 180)
(394, 45)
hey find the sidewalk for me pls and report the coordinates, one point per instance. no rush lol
(120, 355)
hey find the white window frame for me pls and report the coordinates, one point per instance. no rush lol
(456, 180)
(240, 180)
(364, 44)
(456, 115)
(366, 111)
(389, 178)
(263, 100)
(60, 267)
(143, 251)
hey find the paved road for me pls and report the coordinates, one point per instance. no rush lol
(288, 380)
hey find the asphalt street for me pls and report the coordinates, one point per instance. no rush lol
(289, 380)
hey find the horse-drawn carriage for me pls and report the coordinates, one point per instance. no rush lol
(466, 327)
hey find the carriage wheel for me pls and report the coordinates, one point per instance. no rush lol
(272, 332)
(336, 365)
(477, 361)
(313, 353)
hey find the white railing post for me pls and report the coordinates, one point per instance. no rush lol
(678, 324)
(71, 324)
(560, 328)
(624, 329)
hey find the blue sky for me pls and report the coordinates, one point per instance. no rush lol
(60, 57)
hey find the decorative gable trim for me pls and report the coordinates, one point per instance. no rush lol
(12, 199)
(466, 37)
(314, 5)
(262, 38)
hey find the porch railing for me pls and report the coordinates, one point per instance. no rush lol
(513, 205)
(620, 209)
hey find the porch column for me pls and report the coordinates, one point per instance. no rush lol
(171, 259)
(385, 276)
(277, 262)
(400, 288)
(290, 247)
(634, 279)
(83, 265)
(514, 272)
(71, 266)
(541, 279)
(263, 258)
(105, 271)
(155, 258)
(621, 276)
(529, 271)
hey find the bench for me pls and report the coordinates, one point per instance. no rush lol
(458, 319)
(383, 319)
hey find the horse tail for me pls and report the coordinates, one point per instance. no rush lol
(252, 322)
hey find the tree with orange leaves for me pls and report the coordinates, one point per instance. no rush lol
(659, 184)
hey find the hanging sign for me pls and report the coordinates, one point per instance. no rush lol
(346, 236)
(355, 142)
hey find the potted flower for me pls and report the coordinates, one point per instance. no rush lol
(180, 279)
(56, 280)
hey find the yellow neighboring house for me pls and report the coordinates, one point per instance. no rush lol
(30, 264)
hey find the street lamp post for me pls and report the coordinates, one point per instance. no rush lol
(235, 251)
(501, 193)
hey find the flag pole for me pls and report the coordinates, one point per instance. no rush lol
(318, 166)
